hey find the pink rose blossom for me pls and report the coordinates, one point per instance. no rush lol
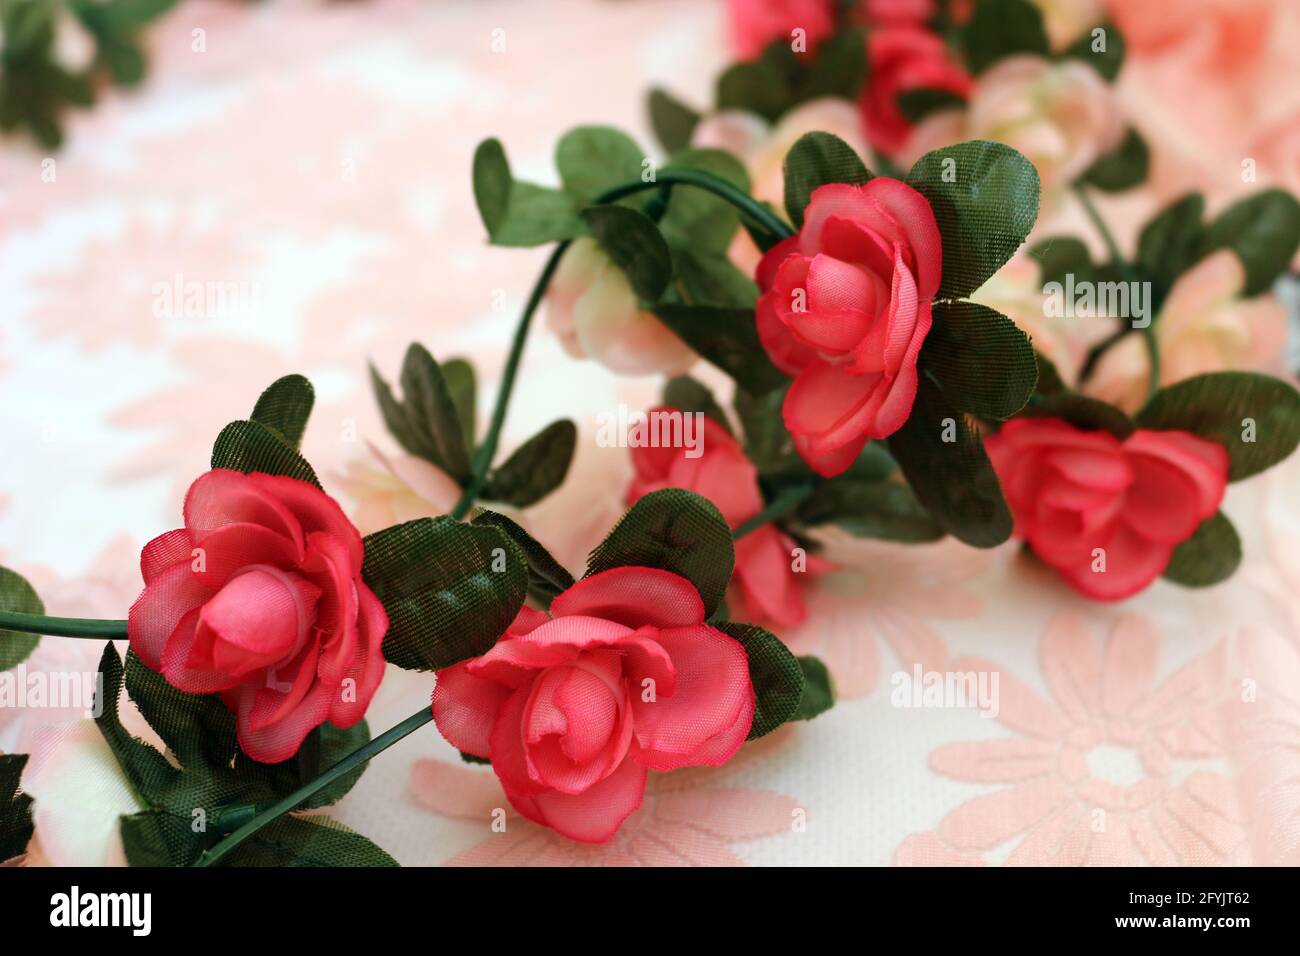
(755, 24)
(624, 676)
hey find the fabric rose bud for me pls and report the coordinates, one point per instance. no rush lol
(1106, 514)
(593, 310)
(903, 58)
(1060, 114)
(845, 307)
(573, 709)
(768, 584)
(754, 25)
(259, 598)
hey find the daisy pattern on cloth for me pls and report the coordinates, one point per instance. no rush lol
(1112, 770)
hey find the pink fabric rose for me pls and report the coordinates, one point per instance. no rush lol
(755, 24)
(764, 576)
(845, 307)
(573, 709)
(903, 58)
(259, 598)
(1073, 492)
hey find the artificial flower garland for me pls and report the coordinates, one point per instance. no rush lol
(872, 392)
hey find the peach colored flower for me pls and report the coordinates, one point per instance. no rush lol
(883, 591)
(1067, 20)
(389, 490)
(1061, 115)
(1112, 769)
(594, 312)
(685, 819)
(1204, 326)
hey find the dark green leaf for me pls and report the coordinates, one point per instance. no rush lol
(1170, 243)
(1080, 411)
(426, 422)
(536, 468)
(17, 595)
(776, 674)
(519, 213)
(984, 363)
(1263, 230)
(710, 279)
(985, 200)
(1108, 59)
(145, 769)
(252, 447)
(1123, 167)
(1060, 256)
(463, 388)
(954, 479)
(674, 530)
(593, 159)
(870, 509)
(918, 103)
(1002, 28)
(633, 241)
(450, 589)
(728, 339)
(818, 689)
(1209, 556)
(689, 395)
(756, 87)
(285, 406)
(547, 578)
(672, 120)
(815, 160)
(15, 808)
(767, 441)
(1255, 417)
(697, 219)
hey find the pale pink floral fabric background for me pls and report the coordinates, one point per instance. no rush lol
(319, 154)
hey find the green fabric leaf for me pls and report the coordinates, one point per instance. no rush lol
(17, 595)
(288, 841)
(954, 479)
(1170, 242)
(689, 395)
(985, 200)
(1209, 556)
(815, 160)
(1002, 28)
(697, 219)
(632, 240)
(450, 589)
(547, 578)
(537, 467)
(462, 386)
(918, 103)
(426, 422)
(285, 406)
(1060, 256)
(672, 120)
(1107, 61)
(818, 689)
(1123, 167)
(593, 159)
(15, 808)
(1263, 230)
(710, 279)
(1255, 417)
(983, 362)
(252, 447)
(145, 769)
(756, 87)
(776, 674)
(518, 213)
(726, 338)
(887, 510)
(674, 530)
(1080, 411)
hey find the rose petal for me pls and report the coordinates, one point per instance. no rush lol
(633, 597)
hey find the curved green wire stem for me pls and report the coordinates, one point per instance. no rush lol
(63, 626)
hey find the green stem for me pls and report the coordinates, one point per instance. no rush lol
(349, 763)
(780, 506)
(1111, 246)
(62, 626)
(483, 456)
